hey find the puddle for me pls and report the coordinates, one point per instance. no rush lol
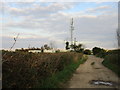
(100, 82)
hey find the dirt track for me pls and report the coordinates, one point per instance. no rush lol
(87, 72)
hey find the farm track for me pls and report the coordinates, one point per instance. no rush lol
(87, 72)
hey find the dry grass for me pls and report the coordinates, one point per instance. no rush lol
(23, 69)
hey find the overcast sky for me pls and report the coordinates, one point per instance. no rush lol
(40, 23)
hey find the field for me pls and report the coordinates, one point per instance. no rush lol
(36, 70)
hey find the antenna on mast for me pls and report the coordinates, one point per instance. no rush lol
(72, 28)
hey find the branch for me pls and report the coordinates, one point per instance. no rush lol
(15, 39)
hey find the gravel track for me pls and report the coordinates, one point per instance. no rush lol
(87, 72)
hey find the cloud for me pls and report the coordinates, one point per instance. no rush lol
(36, 16)
(60, 0)
(98, 9)
(36, 9)
(42, 24)
(89, 28)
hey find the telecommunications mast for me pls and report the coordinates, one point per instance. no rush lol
(71, 31)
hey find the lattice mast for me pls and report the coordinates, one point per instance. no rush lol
(71, 30)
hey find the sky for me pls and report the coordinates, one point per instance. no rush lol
(39, 23)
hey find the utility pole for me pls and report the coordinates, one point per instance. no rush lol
(29, 46)
(75, 41)
(72, 28)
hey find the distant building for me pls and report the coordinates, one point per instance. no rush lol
(64, 50)
(35, 51)
(49, 51)
(44, 51)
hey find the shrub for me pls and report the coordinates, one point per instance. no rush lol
(96, 50)
(26, 70)
(112, 61)
(92, 63)
(87, 51)
(101, 54)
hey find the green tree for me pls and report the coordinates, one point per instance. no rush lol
(100, 52)
(67, 45)
(46, 47)
(78, 48)
(87, 51)
(96, 50)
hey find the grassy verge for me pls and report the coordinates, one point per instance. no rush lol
(111, 66)
(112, 62)
(61, 77)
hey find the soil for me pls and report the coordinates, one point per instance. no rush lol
(91, 70)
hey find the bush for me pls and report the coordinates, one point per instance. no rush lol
(112, 61)
(87, 51)
(96, 50)
(60, 77)
(26, 70)
(101, 54)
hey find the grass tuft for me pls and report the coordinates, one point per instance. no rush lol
(92, 63)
